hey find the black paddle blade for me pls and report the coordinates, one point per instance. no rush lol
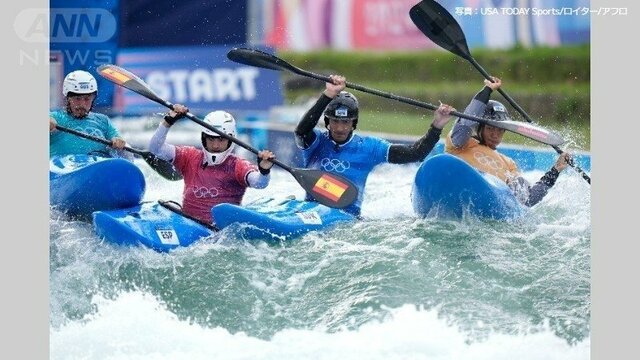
(438, 25)
(328, 189)
(259, 58)
(124, 78)
(162, 167)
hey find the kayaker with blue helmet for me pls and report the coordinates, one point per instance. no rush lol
(80, 90)
(339, 150)
(212, 174)
(476, 144)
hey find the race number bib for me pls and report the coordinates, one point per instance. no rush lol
(310, 217)
(168, 236)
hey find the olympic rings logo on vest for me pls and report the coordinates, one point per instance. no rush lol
(93, 132)
(488, 161)
(203, 192)
(334, 165)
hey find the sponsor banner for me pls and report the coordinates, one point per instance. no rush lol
(385, 25)
(202, 78)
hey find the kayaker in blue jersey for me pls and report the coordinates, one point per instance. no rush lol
(339, 150)
(476, 144)
(80, 90)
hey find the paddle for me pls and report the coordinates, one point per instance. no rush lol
(439, 25)
(162, 167)
(261, 59)
(328, 189)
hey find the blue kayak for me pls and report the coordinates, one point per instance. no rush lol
(162, 226)
(152, 224)
(273, 219)
(82, 184)
(446, 186)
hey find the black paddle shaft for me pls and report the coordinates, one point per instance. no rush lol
(96, 139)
(265, 60)
(162, 167)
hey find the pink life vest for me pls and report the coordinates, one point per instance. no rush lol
(212, 185)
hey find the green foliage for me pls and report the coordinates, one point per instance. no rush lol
(551, 84)
(535, 65)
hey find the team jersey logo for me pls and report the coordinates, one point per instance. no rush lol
(334, 165)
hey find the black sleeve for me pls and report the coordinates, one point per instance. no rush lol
(304, 131)
(402, 154)
(484, 95)
(540, 189)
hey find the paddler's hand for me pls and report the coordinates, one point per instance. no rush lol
(174, 115)
(118, 143)
(337, 84)
(441, 116)
(563, 161)
(495, 85)
(52, 124)
(264, 163)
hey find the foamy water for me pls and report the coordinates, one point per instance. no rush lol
(392, 286)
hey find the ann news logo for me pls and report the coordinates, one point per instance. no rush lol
(65, 25)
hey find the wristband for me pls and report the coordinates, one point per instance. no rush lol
(170, 120)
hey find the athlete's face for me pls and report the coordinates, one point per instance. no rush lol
(216, 144)
(492, 136)
(80, 105)
(340, 129)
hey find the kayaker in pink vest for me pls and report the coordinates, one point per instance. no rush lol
(212, 174)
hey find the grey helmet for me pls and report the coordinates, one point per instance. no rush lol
(494, 111)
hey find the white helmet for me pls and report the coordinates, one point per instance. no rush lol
(223, 121)
(79, 82)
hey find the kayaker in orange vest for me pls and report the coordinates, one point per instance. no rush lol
(477, 143)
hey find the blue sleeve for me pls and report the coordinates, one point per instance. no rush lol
(380, 150)
(110, 130)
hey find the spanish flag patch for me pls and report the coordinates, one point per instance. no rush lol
(330, 187)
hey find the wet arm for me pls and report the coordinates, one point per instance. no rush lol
(402, 154)
(159, 147)
(258, 179)
(463, 128)
(304, 131)
(540, 188)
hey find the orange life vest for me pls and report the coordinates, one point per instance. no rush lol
(483, 158)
